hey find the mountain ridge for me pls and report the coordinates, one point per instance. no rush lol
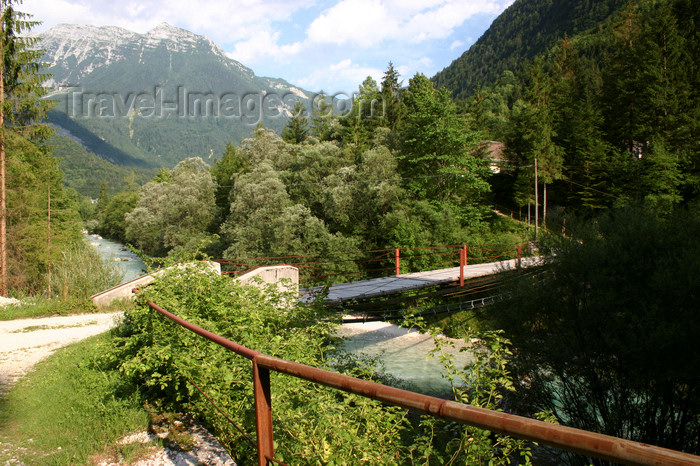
(524, 30)
(84, 43)
(156, 98)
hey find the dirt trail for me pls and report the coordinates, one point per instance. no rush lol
(25, 342)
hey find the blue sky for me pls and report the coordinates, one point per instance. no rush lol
(319, 45)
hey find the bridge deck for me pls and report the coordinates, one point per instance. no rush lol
(410, 281)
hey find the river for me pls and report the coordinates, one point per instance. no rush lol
(127, 261)
(403, 354)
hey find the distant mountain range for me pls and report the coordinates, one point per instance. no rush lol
(150, 100)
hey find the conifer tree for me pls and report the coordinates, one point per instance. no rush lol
(367, 111)
(322, 119)
(391, 97)
(297, 130)
(21, 106)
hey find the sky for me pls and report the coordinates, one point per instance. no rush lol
(329, 46)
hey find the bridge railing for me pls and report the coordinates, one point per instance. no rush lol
(562, 437)
(317, 269)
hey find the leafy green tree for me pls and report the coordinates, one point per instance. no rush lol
(297, 129)
(264, 222)
(598, 330)
(490, 107)
(359, 197)
(112, 222)
(224, 172)
(438, 159)
(173, 216)
(102, 199)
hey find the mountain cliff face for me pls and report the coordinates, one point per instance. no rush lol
(75, 51)
(154, 99)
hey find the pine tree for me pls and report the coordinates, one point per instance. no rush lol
(297, 130)
(20, 104)
(391, 97)
(357, 127)
(322, 119)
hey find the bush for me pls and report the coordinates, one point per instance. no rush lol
(313, 424)
(82, 272)
(606, 333)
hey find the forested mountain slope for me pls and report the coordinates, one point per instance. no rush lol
(154, 99)
(526, 29)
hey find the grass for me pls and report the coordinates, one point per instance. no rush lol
(71, 411)
(42, 307)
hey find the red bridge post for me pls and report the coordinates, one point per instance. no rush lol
(397, 261)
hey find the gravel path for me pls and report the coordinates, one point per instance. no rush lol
(24, 342)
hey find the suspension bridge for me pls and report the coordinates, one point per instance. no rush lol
(341, 278)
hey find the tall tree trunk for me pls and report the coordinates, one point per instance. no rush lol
(537, 206)
(544, 208)
(3, 204)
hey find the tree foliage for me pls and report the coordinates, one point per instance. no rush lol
(609, 114)
(297, 129)
(605, 332)
(172, 216)
(526, 29)
(438, 156)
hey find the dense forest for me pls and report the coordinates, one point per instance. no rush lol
(610, 116)
(525, 30)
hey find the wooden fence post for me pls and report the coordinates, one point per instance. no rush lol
(263, 413)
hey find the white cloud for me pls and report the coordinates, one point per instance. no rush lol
(358, 22)
(368, 23)
(223, 22)
(341, 73)
(318, 45)
(458, 44)
(262, 46)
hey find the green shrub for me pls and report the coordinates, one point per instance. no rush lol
(82, 272)
(313, 424)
